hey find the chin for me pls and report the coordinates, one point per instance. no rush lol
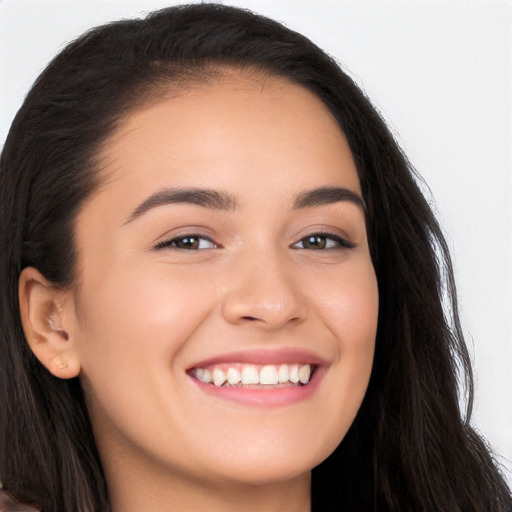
(275, 462)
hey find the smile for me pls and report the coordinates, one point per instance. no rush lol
(261, 378)
(255, 376)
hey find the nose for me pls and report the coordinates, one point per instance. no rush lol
(264, 291)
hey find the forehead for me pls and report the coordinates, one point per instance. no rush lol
(235, 132)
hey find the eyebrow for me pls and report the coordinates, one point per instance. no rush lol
(327, 195)
(211, 199)
(219, 200)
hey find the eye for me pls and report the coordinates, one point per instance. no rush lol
(322, 241)
(193, 242)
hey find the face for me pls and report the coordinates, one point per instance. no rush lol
(227, 243)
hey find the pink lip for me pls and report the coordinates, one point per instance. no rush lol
(263, 397)
(270, 397)
(284, 355)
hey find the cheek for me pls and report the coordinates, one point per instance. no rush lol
(141, 301)
(135, 326)
(137, 322)
(351, 306)
(355, 321)
(350, 313)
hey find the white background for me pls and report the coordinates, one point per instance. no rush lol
(439, 72)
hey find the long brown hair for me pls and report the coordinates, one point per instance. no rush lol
(410, 447)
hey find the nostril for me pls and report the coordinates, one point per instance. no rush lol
(252, 318)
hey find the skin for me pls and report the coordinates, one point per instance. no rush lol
(140, 315)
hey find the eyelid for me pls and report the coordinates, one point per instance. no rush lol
(343, 242)
(166, 242)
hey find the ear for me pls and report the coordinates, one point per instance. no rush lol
(47, 315)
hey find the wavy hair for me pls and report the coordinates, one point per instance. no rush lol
(410, 446)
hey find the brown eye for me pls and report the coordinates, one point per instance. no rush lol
(322, 241)
(188, 243)
(314, 242)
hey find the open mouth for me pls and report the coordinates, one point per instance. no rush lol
(242, 375)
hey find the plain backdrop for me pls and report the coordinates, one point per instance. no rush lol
(439, 73)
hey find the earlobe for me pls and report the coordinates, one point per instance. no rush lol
(48, 322)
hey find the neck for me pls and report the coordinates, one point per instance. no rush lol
(178, 493)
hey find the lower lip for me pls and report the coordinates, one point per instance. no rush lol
(263, 397)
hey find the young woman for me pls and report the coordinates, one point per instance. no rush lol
(223, 288)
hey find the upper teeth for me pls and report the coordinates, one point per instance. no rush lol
(249, 374)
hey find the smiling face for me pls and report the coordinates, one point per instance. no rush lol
(227, 243)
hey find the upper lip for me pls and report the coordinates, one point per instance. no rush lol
(260, 357)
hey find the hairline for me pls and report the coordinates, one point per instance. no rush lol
(199, 76)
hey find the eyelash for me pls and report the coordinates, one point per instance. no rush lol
(172, 242)
(341, 243)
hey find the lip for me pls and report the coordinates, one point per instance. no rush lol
(269, 397)
(285, 355)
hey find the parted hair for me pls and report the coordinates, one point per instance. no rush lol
(410, 447)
